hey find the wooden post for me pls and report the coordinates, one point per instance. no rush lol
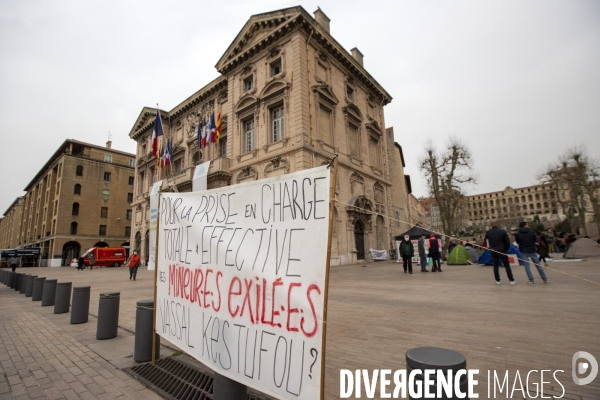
(155, 278)
(328, 262)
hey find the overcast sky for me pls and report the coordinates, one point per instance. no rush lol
(519, 81)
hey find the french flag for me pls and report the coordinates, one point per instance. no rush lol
(156, 132)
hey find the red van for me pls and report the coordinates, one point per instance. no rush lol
(106, 256)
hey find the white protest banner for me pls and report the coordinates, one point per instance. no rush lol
(241, 275)
(153, 220)
(378, 254)
(199, 181)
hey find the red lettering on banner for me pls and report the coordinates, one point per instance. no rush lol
(290, 309)
(312, 308)
(275, 313)
(239, 291)
(247, 300)
(206, 292)
(219, 275)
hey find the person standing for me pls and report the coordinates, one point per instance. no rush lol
(434, 253)
(407, 251)
(422, 253)
(543, 247)
(497, 241)
(91, 260)
(14, 261)
(80, 263)
(527, 239)
(134, 263)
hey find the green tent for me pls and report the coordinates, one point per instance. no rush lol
(459, 256)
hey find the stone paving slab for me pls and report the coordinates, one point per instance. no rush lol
(376, 314)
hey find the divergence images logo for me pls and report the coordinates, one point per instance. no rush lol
(582, 367)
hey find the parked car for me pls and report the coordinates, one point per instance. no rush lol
(106, 256)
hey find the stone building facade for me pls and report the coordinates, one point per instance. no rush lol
(10, 225)
(79, 199)
(289, 94)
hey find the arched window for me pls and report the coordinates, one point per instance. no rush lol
(75, 209)
(79, 170)
(530, 198)
(77, 189)
(73, 228)
(138, 241)
(538, 206)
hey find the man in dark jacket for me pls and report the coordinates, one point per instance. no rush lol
(434, 253)
(496, 239)
(407, 251)
(422, 253)
(526, 239)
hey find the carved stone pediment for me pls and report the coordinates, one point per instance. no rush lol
(360, 208)
(351, 110)
(247, 101)
(373, 127)
(325, 92)
(274, 88)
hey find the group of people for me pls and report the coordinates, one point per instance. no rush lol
(529, 243)
(407, 252)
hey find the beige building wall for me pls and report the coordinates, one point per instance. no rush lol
(10, 225)
(299, 95)
(80, 197)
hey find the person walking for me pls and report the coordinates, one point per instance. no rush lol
(134, 263)
(422, 253)
(497, 241)
(407, 251)
(14, 261)
(527, 239)
(80, 263)
(434, 253)
(91, 260)
(543, 247)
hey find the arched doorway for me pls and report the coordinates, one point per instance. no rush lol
(101, 244)
(359, 240)
(70, 251)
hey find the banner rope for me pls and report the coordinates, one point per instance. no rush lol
(365, 211)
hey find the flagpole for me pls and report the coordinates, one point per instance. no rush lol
(327, 265)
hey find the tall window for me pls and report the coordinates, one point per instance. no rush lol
(141, 183)
(102, 230)
(223, 146)
(75, 209)
(374, 153)
(105, 194)
(131, 181)
(248, 135)
(277, 123)
(129, 197)
(128, 215)
(177, 165)
(103, 212)
(325, 125)
(248, 83)
(276, 67)
(79, 170)
(108, 158)
(77, 189)
(73, 230)
(107, 177)
(350, 93)
(132, 163)
(127, 231)
(354, 141)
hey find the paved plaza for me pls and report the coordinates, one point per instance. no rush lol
(376, 314)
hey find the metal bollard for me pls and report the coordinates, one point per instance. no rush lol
(13, 280)
(2, 276)
(6, 279)
(63, 298)
(38, 289)
(20, 277)
(108, 315)
(81, 305)
(29, 285)
(23, 284)
(435, 358)
(49, 292)
(227, 389)
(144, 315)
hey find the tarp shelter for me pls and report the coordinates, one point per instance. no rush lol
(415, 232)
(486, 257)
(473, 253)
(583, 248)
(458, 256)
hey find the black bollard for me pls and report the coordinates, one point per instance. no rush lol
(38, 289)
(144, 315)
(13, 280)
(49, 292)
(20, 277)
(29, 285)
(227, 389)
(81, 305)
(63, 298)
(7, 278)
(108, 315)
(2, 276)
(435, 358)
(23, 284)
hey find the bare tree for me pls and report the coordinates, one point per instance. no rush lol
(575, 177)
(448, 173)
